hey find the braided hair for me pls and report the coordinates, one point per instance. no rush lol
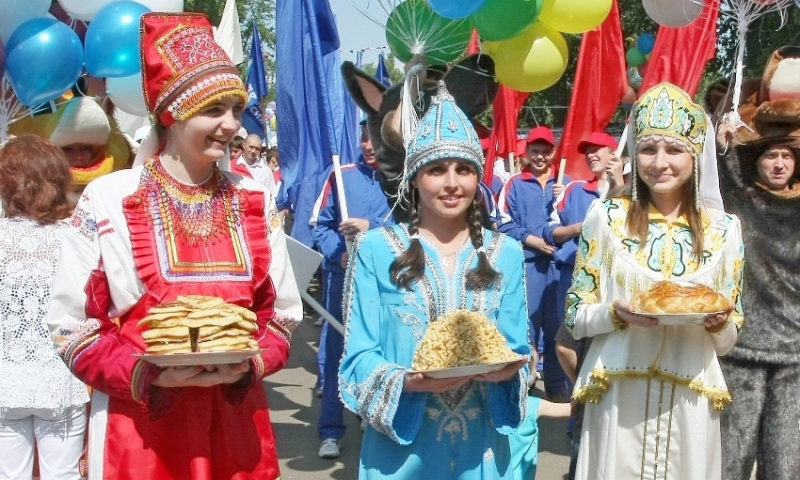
(409, 267)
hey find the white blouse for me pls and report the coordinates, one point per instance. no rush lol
(32, 375)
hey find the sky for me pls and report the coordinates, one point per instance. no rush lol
(357, 31)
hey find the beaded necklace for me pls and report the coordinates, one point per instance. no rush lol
(194, 213)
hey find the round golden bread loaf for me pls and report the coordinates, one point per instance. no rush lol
(669, 297)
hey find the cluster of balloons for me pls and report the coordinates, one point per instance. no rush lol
(270, 117)
(523, 36)
(638, 58)
(45, 57)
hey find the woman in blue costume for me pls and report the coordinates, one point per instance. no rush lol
(403, 277)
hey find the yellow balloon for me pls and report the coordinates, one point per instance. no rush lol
(532, 61)
(489, 47)
(574, 16)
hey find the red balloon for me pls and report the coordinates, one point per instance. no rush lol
(643, 68)
(630, 97)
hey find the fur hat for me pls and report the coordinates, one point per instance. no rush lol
(81, 120)
(183, 68)
(773, 112)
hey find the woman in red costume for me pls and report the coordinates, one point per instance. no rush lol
(176, 225)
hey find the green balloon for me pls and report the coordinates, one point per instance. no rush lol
(634, 57)
(413, 28)
(504, 19)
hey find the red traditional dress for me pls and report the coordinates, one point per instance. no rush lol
(140, 238)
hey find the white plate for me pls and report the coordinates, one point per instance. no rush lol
(678, 318)
(466, 370)
(197, 358)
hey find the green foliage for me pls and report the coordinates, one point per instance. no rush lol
(262, 12)
(394, 73)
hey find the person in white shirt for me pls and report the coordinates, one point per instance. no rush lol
(255, 165)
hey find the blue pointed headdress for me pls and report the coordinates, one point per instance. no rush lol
(443, 132)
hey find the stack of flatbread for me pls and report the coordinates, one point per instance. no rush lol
(197, 323)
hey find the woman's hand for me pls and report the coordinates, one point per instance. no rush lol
(625, 314)
(715, 323)
(417, 382)
(506, 373)
(201, 376)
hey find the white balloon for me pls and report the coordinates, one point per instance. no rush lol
(162, 5)
(14, 13)
(126, 93)
(84, 10)
(673, 13)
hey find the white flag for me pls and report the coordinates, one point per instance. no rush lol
(228, 34)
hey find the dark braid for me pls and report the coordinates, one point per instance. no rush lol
(410, 265)
(483, 275)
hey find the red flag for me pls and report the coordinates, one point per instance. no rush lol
(680, 54)
(600, 84)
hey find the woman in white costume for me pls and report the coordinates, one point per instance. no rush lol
(654, 392)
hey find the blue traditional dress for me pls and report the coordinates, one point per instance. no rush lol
(461, 434)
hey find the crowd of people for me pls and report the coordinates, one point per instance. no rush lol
(89, 245)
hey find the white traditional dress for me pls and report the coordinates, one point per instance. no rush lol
(654, 394)
(140, 238)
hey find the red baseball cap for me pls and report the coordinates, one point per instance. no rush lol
(541, 133)
(601, 139)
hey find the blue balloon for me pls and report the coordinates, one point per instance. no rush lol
(645, 43)
(455, 9)
(44, 59)
(112, 40)
(2, 58)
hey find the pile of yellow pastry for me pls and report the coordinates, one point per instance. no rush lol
(198, 323)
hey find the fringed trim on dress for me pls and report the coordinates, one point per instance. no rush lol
(600, 380)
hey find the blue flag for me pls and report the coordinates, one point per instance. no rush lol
(253, 116)
(382, 73)
(350, 149)
(308, 102)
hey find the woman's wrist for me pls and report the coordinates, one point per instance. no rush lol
(718, 327)
(616, 321)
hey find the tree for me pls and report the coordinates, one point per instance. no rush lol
(260, 12)
(394, 73)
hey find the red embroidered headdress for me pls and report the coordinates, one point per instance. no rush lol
(183, 68)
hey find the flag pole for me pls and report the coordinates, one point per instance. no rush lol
(620, 148)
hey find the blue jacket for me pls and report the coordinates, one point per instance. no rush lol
(365, 199)
(571, 208)
(488, 201)
(525, 209)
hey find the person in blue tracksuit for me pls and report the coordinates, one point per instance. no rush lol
(525, 204)
(566, 219)
(367, 208)
(489, 206)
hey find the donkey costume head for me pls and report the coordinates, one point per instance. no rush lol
(471, 82)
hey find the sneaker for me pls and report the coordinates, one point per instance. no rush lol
(319, 322)
(329, 448)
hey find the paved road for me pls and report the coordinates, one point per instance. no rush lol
(295, 409)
